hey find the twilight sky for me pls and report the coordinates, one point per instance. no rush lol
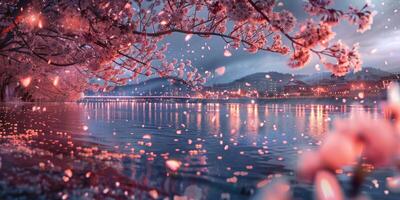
(379, 47)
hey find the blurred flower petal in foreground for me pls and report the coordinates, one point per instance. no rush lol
(391, 109)
(393, 93)
(358, 140)
(278, 189)
(309, 163)
(339, 150)
(393, 183)
(327, 187)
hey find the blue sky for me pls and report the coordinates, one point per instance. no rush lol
(379, 47)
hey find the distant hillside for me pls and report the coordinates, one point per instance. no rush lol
(368, 74)
(266, 82)
(155, 86)
(259, 81)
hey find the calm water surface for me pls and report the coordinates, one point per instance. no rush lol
(118, 150)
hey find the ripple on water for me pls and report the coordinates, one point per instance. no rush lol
(119, 149)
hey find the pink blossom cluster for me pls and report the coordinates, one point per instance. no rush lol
(316, 7)
(346, 59)
(278, 45)
(283, 20)
(363, 18)
(266, 5)
(309, 36)
(312, 34)
(238, 10)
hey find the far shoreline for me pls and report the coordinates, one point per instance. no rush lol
(345, 100)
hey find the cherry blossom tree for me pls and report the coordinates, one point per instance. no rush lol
(45, 43)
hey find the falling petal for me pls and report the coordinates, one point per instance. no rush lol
(153, 194)
(317, 67)
(40, 24)
(55, 81)
(227, 53)
(26, 81)
(147, 136)
(188, 37)
(361, 95)
(68, 172)
(220, 71)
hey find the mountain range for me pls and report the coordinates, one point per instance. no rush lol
(264, 81)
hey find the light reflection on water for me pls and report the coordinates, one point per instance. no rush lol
(215, 117)
(217, 143)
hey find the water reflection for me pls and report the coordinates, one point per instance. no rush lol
(197, 116)
(225, 148)
(318, 123)
(234, 118)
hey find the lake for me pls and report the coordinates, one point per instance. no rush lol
(118, 150)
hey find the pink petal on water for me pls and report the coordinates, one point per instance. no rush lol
(173, 165)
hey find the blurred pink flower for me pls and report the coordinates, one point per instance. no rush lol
(391, 113)
(275, 189)
(327, 187)
(308, 165)
(361, 136)
(339, 150)
(377, 137)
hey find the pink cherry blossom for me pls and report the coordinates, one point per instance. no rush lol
(339, 150)
(308, 165)
(129, 40)
(377, 137)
